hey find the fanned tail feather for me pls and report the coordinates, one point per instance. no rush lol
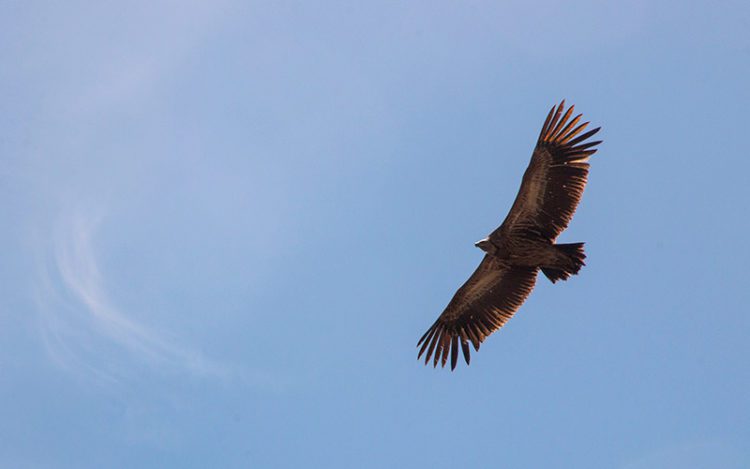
(574, 255)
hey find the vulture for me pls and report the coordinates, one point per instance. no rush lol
(524, 243)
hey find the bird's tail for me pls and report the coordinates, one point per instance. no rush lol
(569, 261)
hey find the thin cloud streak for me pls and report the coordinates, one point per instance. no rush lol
(79, 312)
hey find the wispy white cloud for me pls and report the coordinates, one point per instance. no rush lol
(84, 329)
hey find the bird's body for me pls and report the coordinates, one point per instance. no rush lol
(524, 244)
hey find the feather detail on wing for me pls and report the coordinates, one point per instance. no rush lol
(482, 305)
(555, 179)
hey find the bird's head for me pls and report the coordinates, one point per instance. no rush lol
(485, 245)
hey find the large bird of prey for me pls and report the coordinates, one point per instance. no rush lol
(525, 243)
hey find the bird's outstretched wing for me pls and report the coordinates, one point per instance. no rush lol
(481, 306)
(555, 179)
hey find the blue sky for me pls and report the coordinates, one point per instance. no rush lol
(226, 225)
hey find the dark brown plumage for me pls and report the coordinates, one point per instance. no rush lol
(550, 191)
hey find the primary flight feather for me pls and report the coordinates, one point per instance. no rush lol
(525, 242)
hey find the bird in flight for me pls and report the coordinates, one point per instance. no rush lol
(550, 191)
